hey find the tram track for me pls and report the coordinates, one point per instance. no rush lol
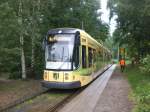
(64, 101)
(69, 95)
(46, 102)
(21, 100)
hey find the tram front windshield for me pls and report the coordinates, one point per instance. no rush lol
(59, 52)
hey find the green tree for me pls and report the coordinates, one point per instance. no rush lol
(24, 24)
(132, 24)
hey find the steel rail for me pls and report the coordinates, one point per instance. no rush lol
(64, 101)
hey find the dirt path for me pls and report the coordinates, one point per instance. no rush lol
(115, 96)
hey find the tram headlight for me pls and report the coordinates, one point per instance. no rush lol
(66, 76)
(56, 76)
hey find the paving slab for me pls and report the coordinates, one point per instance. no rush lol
(115, 96)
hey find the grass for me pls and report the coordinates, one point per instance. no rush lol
(140, 84)
(9, 86)
(4, 75)
(13, 85)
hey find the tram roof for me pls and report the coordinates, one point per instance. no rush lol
(74, 30)
(63, 30)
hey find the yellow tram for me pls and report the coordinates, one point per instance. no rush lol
(71, 58)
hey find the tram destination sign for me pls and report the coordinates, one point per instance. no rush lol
(60, 38)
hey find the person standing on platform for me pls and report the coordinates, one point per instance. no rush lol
(122, 64)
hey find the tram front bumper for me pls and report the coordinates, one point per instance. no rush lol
(61, 85)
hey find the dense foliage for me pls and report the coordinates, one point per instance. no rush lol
(24, 23)
(133, 24)
(140, 83)
(145, 65)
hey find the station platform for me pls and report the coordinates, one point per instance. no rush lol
(87, 100)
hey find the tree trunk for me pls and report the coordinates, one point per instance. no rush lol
(32, 52)
(20, 22)
(22, 57)
(33, 23)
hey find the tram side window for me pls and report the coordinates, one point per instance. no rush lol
(90, 56)
(94, 55)
(100, 56)
(105, 57)
(84, 57)
(76, 57)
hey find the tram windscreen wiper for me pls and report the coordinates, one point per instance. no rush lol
(62, 54)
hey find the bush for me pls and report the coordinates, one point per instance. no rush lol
(145, 65)
(140, 83)
(15, 75)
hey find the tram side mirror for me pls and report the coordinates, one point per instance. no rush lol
(77, 39)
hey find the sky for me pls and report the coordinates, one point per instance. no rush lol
(105, 16)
